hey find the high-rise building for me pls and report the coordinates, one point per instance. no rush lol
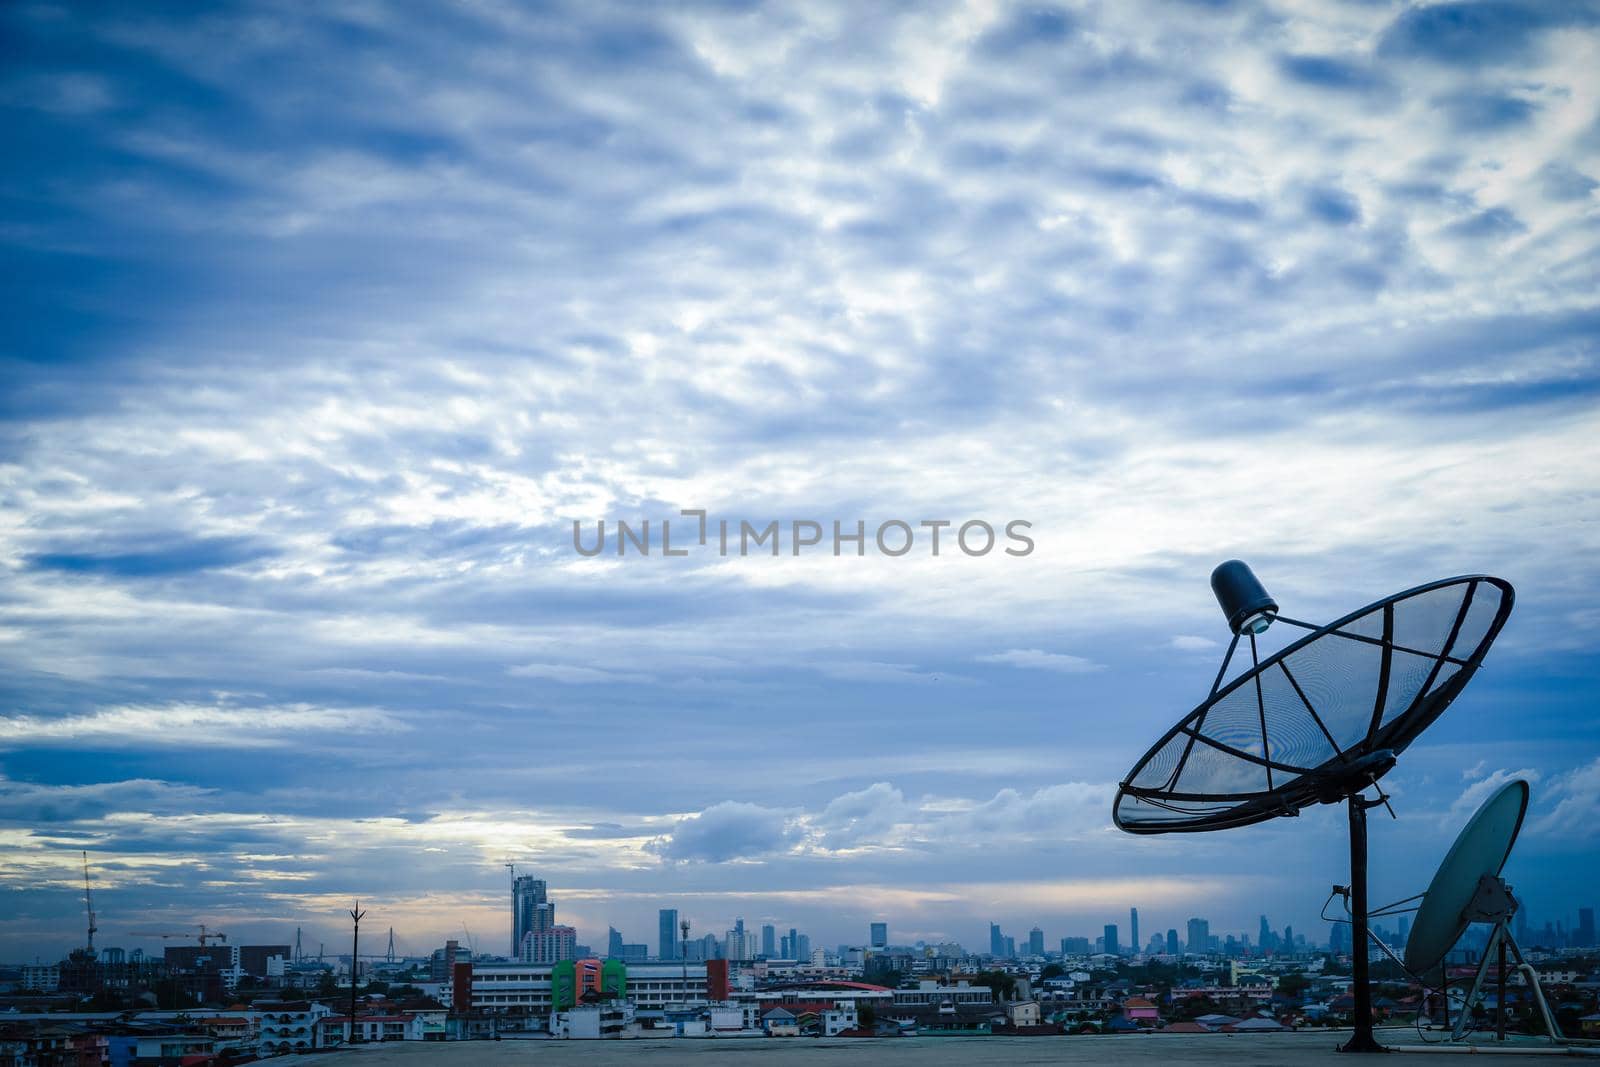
(1036, 942)
(1585, 932)
(1199, 936)
(1111, 946)
(550, 945)
(1288, 935)
(1172, 943)
(668, 942)
(1133, 930)
(802, 947)
(1266, 937)
(880, 935)
(997, 941)
(614, 944)
(531, 910)
(1339, 939)
(769, 941)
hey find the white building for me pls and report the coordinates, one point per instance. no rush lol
(589, 1022)
(45, 977)
(287, 1027)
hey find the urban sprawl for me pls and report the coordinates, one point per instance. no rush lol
(215, 1002)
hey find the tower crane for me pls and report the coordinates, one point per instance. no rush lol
(205, 934)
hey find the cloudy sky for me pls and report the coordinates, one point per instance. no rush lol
(324, 324)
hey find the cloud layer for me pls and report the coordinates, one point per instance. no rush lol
(325, 325)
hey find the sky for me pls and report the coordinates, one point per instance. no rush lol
(324, 324)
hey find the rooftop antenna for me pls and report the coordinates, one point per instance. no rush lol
(88, 904)
(683, 925)
(1319, 722)
(356, 915)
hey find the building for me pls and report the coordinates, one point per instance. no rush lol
(532, 912)
(1172, 943)
(525, 995)
(1199, 936)
(997, 941)
(549, 945)
(41, 977)
(668, 942)
(769, 941)
(1584, 937)
(880, 936)
(1074, 946)
(443, 963)
(1133, 930)
(1036, 942)
(1110, 945)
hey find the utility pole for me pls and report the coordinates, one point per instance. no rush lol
(356, 915)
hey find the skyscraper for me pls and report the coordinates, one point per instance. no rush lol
(531, 911)
(769, 941)
(880, 935)
(1133, 930)
(1265, 937)
(1199, 936)
(668, 941)
(997, 941)
(1112, 948)
(1036, 942)
(1172, 942)
(614, 944)
(1585, 934)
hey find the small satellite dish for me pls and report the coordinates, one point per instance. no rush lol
(1479, 852)
(1466, 889)
(1317, 723)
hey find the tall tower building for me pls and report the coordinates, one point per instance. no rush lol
(531, 910)
(880, 935)
(769, 941)
(1172, 943)
(1036, 942)
(1585, 934)
(1199, 936)
(1111, 945)
(1133, 930)
(997, 942)
(668, 934)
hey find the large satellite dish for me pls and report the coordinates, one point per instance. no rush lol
(1316, 723)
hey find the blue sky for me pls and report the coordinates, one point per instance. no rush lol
(322, 327)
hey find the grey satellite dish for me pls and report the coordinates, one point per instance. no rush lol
(1479, 852)
(1466, 889)
(1317, 723)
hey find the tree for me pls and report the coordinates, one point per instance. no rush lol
(1293, 984)
(867, 1016)
(1051, 970)
(1004, 985)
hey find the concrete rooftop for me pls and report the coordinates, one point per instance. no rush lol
(1266, 1050)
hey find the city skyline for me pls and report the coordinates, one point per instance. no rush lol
(326, 326)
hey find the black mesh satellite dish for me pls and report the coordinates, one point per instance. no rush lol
(1316, 723)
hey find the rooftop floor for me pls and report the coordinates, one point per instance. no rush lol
(1242, 1050)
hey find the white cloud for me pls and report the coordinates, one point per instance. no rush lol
(1035, 659)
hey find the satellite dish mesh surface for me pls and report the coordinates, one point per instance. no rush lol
(1480, 850)
(1336, 705)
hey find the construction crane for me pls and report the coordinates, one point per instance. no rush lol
(88, 904)
(205, 934)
